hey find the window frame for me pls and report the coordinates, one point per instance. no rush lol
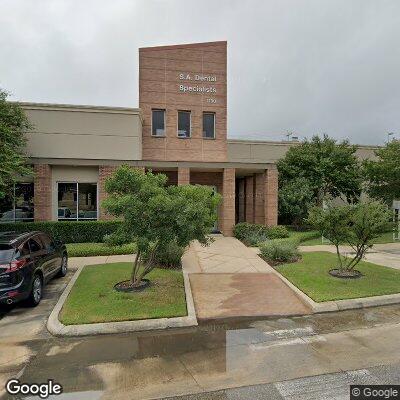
(190, 124)
(165, 123)
(77, 201)
(214, 127)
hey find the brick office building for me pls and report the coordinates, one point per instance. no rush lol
(179, 129)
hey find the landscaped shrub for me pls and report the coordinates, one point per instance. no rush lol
(277, 232)
(67, 231)
(168, 256)
(98, 249)
(279, 251)
(253, 234)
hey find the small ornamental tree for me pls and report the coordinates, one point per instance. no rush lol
(13, 126)
(155, 214)
(356, 225)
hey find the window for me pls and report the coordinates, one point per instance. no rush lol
(34, 245)
(208, 125)
(77, 201)
(184, 124)
(18, 206)
(158, 122)
(48, 244)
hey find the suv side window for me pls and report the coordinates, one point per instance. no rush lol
(22, 251)
(34, 245)
(48, 244)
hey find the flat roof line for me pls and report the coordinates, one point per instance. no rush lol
(75, 107)
(186, 45)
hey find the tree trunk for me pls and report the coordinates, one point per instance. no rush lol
(135, 267)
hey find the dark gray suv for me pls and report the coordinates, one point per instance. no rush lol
(27, 262)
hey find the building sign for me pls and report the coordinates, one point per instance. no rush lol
(196, 86)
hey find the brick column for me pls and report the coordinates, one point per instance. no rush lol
(271, 196)
(104, 172)
(249, 199)
(42, 192)
(241, 200)
(259, 199)
(228, 201)
(183, 176)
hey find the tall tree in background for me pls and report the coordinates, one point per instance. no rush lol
(383, 174)
(13, 126)
(330, 168)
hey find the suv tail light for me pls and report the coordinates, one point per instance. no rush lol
(15, 265)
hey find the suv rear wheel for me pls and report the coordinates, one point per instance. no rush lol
(36, 291)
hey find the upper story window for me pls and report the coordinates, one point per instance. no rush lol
(158, 122)
(209, 125)
(184, 124)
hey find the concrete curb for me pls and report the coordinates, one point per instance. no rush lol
(56, 328)
(338, 305)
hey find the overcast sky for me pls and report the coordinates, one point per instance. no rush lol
(306, 66)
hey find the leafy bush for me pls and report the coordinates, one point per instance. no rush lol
(277, 232)
(169, 256)
(253, 234)
(279, 251)
(98, 249)
(67, 231)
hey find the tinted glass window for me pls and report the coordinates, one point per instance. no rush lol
(77, 201)
(87, 200)
(34, 245)
(23, 250)
(67, 201)
(46, 241)
(158, 122)
(6, 253)
(209, 125)
(17, 205)
(184, 124)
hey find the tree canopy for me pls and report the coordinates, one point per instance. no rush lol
(383, 174)
(13, 126)
(330, 168)
(154, 214)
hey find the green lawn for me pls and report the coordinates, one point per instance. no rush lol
(93, 298)
(312, 238)
(98, 249)
(311, 276)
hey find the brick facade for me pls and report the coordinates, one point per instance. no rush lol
(183, 176)
(228, 201)
(162, 71)
(42, 192)
(271, 197)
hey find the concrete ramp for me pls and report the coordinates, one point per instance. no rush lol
(230, 280)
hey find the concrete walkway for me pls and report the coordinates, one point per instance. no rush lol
(231, 280)
(387, 254)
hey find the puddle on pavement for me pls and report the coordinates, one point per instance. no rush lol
(167, 363)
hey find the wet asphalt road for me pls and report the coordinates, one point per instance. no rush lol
(302, 358)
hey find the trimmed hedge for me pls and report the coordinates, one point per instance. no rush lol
(253, 234)
(67, 231)
(98, 249)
